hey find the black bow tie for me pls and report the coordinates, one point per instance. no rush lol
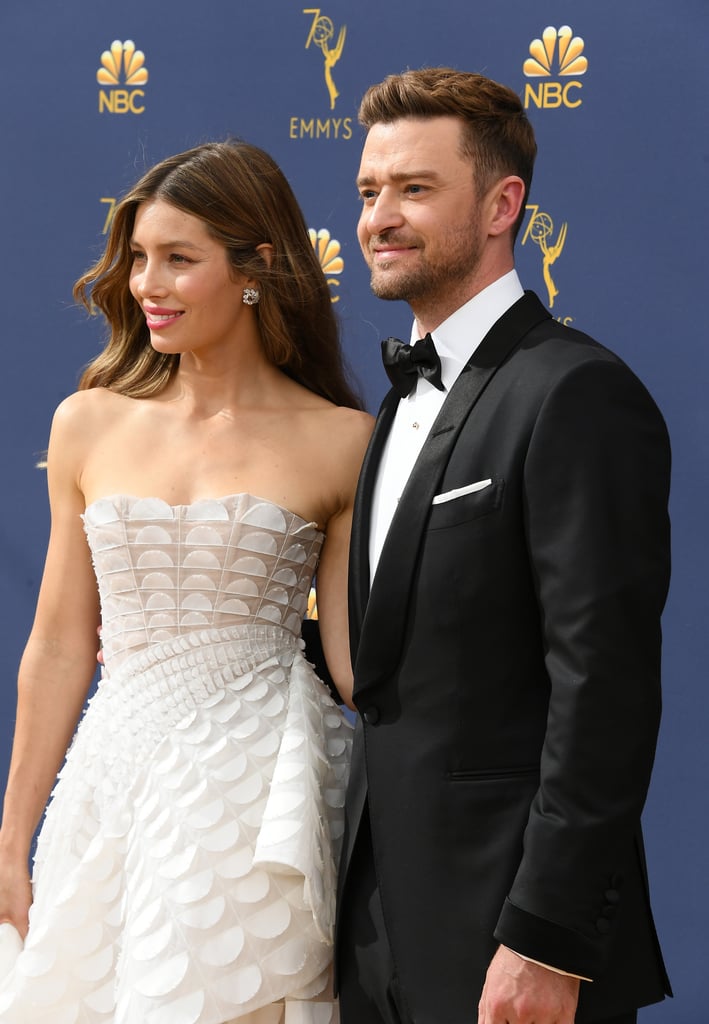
(405, 363)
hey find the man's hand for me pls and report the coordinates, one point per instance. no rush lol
(519, 992)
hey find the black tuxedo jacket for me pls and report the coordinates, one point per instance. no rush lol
(507, 675)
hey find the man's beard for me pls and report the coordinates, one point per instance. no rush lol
(408, 286)
(428, 280)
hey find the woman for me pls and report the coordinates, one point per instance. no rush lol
(185, 868)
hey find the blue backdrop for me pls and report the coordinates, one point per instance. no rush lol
(94, 92)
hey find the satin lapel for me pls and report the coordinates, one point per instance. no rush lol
(384, 621)
(361, 519)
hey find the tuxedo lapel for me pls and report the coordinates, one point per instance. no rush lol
(384, 618)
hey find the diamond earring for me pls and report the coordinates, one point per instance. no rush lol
(251, 296)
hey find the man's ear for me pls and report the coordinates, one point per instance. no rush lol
(506, 198)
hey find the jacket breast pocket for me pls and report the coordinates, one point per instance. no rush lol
(467, 506)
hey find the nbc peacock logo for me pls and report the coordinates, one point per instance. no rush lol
(558, 53)
(327, 250)
(122, 70)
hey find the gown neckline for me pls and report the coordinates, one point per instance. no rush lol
(120, 495)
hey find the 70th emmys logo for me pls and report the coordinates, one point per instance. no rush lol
(566, 50)
(322, 32)
(540, 230)
(322, 37)
(123, 65)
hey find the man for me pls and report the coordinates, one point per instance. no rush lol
(509, 566)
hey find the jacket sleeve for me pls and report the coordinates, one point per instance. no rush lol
(596, 484)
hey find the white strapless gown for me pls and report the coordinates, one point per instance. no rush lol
(185, 871)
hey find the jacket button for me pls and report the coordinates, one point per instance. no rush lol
(612, 896)
(603, 925)
(371, 716)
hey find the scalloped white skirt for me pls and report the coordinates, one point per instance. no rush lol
(185, 871)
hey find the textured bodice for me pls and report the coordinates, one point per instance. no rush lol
(168, 570)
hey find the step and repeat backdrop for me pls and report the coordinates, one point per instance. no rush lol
(94, 92)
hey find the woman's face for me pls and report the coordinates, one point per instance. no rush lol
(182, 280)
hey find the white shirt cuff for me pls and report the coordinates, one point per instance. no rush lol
(556, 970)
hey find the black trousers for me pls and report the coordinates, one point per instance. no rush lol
(365, 954)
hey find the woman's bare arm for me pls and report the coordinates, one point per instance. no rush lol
(56, 669)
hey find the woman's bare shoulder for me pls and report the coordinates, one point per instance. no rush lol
(354, 422)
(79, 422)
(338, 433)
(336, 425)
(87, 409)
(354, 427)
(342, 438)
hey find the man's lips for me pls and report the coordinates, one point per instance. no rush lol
(390, 251)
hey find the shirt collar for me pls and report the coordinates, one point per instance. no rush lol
(457, 337)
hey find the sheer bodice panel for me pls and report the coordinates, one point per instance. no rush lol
(168, 570)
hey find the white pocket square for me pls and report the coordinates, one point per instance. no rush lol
(458, 492)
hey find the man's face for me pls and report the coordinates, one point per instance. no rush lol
(420, 228)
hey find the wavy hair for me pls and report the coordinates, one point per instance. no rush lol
(244, 200)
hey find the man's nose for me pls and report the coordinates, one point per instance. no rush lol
(383, 213)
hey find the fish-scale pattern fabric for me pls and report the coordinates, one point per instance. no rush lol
(185, 871)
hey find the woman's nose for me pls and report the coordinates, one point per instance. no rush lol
(147, 279)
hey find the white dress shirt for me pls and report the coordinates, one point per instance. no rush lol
(456, 339)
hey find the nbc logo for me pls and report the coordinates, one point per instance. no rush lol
(327, 250)
(558, 52)
(123, 65)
